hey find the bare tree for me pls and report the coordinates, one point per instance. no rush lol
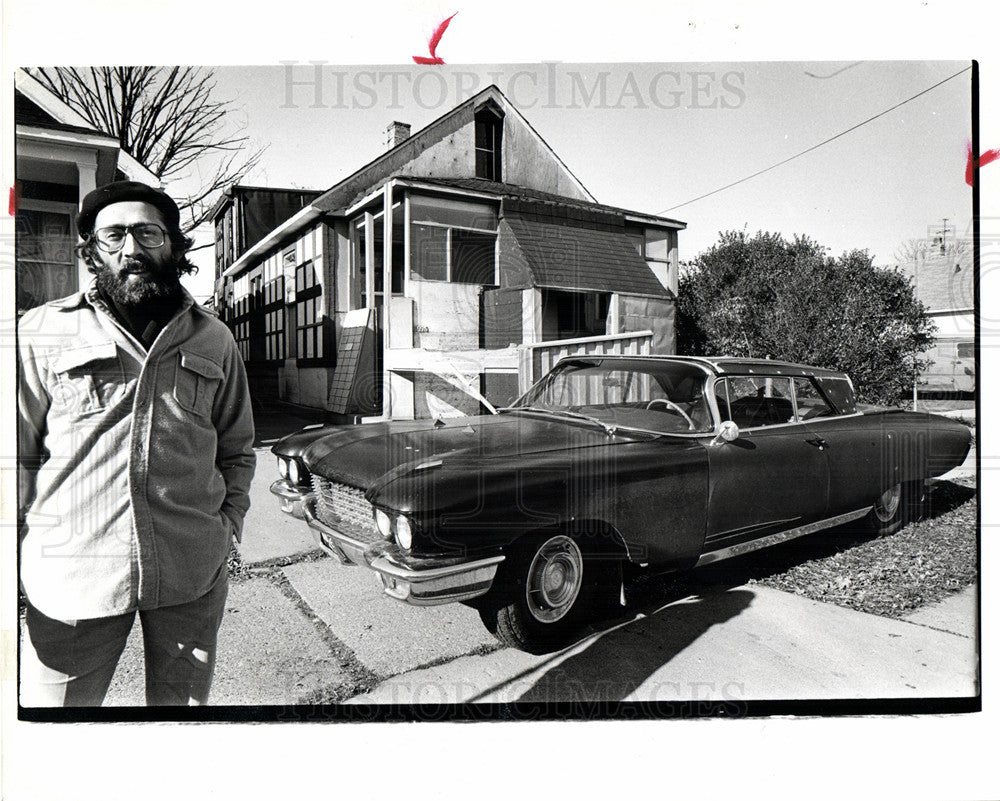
(914, 251)
(166, 118)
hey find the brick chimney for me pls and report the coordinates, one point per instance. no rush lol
(395, 133)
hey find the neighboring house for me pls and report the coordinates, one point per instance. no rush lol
(59, 158)
(943, 281)
(435, 279)
(244, 215)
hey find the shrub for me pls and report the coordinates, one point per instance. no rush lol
(766, 297)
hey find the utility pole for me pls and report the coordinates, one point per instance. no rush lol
(939, 234)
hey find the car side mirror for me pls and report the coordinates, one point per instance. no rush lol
(728, 432)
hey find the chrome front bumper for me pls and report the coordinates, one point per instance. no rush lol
(292, 497)
(426, 585)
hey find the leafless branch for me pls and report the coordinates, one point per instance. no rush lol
(165, 117)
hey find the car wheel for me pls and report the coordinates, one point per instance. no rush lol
(899, 504)
(541, 595)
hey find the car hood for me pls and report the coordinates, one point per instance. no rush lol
(371, 454)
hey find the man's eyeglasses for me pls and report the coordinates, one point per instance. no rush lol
(112, 238)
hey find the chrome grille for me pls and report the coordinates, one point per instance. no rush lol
(345, 508)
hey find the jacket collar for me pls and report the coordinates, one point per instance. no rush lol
(69, 303)
(90, 297)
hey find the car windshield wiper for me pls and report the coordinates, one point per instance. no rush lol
(609, 429)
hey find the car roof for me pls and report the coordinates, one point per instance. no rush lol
(728, 365)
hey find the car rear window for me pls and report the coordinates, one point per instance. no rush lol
(840, 393)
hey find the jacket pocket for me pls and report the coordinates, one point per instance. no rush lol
(86, 378)
(195, 382)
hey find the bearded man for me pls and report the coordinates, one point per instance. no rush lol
(135, 458)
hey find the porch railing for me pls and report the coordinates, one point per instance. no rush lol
(537, 359)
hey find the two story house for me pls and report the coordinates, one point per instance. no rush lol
(442, 277)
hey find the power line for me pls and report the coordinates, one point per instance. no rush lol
(814, 147)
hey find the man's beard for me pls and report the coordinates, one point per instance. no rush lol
(160, 285)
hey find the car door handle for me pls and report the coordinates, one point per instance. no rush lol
(818, 443)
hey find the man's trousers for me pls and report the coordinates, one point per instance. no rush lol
(72, 662)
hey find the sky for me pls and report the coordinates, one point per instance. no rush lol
(654, 136)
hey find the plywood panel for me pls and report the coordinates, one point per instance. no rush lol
(445, 315)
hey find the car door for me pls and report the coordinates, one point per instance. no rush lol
(774, 476)
(857, 447)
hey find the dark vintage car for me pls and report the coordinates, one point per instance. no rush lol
(608, 466)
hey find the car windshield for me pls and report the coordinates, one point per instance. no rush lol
(653, 396)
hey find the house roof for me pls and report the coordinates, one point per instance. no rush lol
(376, 172)
(506, 190)
(943, 282)
(28, 112)
(562, 251)
(389, 166)
(41, 114)
(229, 192)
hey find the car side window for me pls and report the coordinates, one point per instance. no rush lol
(810, 403)
(755, 401)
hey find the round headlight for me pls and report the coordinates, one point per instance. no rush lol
(404, 534)
(293, 471)
(384, 523)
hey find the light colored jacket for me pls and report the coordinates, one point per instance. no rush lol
(135, 466)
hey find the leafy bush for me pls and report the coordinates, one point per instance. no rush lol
(765, 297)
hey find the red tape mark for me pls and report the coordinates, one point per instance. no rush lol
(433, 42)
(15, 199)
(973, 162)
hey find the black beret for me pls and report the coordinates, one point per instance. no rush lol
(120, 191)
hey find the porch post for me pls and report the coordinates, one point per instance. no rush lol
(86, 167)
(386, 294)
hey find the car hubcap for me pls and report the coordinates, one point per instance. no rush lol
(554, 579)
(888, 503)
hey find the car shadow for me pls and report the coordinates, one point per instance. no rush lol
(610, 665)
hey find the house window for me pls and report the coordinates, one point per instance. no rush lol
(274, 309)
(359, 256)
(274, 335)
(241, 316)
(489, 138)
(452, 240)
(653, 244)
(308, 313)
